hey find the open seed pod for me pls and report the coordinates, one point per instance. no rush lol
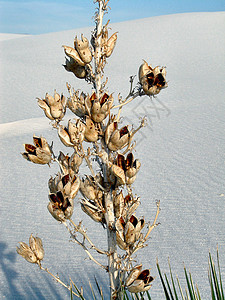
(76, 103)
(125, 206)
(115, 138)
(139, 281)
(73, 134)
(60, 206)
(72, 66)
(99, 109)
(54, 107)
(39, 153)
(111, 43)
(82, 47)
(91, 132)
(92, 211)
(152, 80)
(128, 231)
(90, 189)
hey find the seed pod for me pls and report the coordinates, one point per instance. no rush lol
(72, 66)
(91, 132)
(92, 211)
(133, 274)
(111, 44)
(71, 52)
(82, 47)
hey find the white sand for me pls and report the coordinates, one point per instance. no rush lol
(10, 36)
(181, 150)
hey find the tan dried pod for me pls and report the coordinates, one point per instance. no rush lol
(130, 209)
(64, 136)
(37, 247)
(71, 52)
(144, 70)
(119, 173)
(75, 186)
(111, 44)
(130, 180)
(25, 251)
(133, 274)
(109, 131)
(78, 70)
(76, 131)
(42, 104)
(82, 47)
(140, 225)
(60, 206)
(76, 103)
(133, 169)
(129, 233)
(142, 282)
(119, 139)
(39, 153)
(120, 226)
(123, 245)
(118, 204)
(88, 190)
(94, 213)
(75, 161)
(91, 132)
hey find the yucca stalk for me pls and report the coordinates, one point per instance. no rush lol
(111, 148)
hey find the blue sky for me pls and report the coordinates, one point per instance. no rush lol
(44, 16)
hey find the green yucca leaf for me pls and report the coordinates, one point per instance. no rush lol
(125, 296)
(71, 293)
(214, 276)
(99, 289)
(192, 286)
(93, 293)
(211, 285)
(220, 278)
(163, 283)
(192, 296)
(198, 293)
(181, 292)
(79, 293)
(170, 291)
(171, 276)
(148, 295)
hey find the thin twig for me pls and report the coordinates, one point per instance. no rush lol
(85, 248)
(58, 280)
(84, 234)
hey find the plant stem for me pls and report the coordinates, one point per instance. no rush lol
(98, 44)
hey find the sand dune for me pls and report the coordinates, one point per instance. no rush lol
(181, 151)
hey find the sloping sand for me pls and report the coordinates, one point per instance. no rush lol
(182, 151)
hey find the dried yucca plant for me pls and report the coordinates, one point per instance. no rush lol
(107, 195)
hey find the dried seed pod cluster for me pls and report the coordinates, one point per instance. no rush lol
(93, 204)
(128, 231)
(54, 107)
(138, 280)
(125, 169)
(73, 134)
(124, 206)
(39, 153)
(70, 164)
(152, 80)
(33, 253)
(115, 138)
(63, 190)
(98, 109)
(79, 57)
